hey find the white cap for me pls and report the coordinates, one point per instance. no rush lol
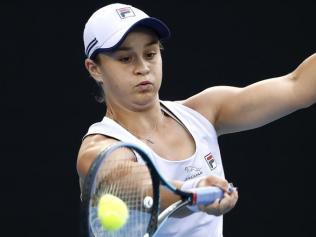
(107, 27)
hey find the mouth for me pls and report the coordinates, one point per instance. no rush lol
(144, 83)
(144, 86)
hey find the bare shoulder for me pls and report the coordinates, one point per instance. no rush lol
(90, 147)
(209, 101)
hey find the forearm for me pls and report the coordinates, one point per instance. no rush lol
(167, 197)
(304, 77)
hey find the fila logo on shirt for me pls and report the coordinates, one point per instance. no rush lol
(125, 12)
(210, 161)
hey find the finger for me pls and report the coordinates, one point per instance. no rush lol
(228, 202)
(232, 195)
(214, 181)
(221, 206)
(212, 209)
(235, 197)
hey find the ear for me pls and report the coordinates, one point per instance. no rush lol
(94, 70)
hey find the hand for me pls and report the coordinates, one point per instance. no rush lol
(220, 206)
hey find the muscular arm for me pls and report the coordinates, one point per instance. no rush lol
(95, 144)
(233, 109)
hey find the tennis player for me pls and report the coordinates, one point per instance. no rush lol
(122, 46)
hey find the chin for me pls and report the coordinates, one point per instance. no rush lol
(145, 103)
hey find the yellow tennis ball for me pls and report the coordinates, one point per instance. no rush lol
(112, 212)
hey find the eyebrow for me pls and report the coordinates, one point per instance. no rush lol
(126, 48)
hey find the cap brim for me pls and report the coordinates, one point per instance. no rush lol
(160, 28)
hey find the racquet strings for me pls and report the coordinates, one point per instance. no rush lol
(120, 175)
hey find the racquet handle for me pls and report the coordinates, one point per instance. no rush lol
(207, 195)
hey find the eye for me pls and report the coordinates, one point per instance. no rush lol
(150, 55)
(126, 59)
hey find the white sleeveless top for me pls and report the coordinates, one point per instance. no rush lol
(205, 161)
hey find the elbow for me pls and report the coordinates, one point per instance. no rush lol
(303, 94)
(83, 164)
(307, 104)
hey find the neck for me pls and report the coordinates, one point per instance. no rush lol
(142, 124)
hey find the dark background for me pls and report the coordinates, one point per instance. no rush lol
(47, 105)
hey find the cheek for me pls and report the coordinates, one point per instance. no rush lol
(157, 74)
(112, 84)
(115, 83)
(157, 69)
(108, 75)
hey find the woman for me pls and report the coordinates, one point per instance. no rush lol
(123, 55)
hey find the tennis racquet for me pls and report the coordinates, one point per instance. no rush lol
(115, 172)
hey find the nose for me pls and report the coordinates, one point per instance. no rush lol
(141, 67)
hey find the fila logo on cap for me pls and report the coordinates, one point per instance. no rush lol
(125, 12)
(210, 161)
